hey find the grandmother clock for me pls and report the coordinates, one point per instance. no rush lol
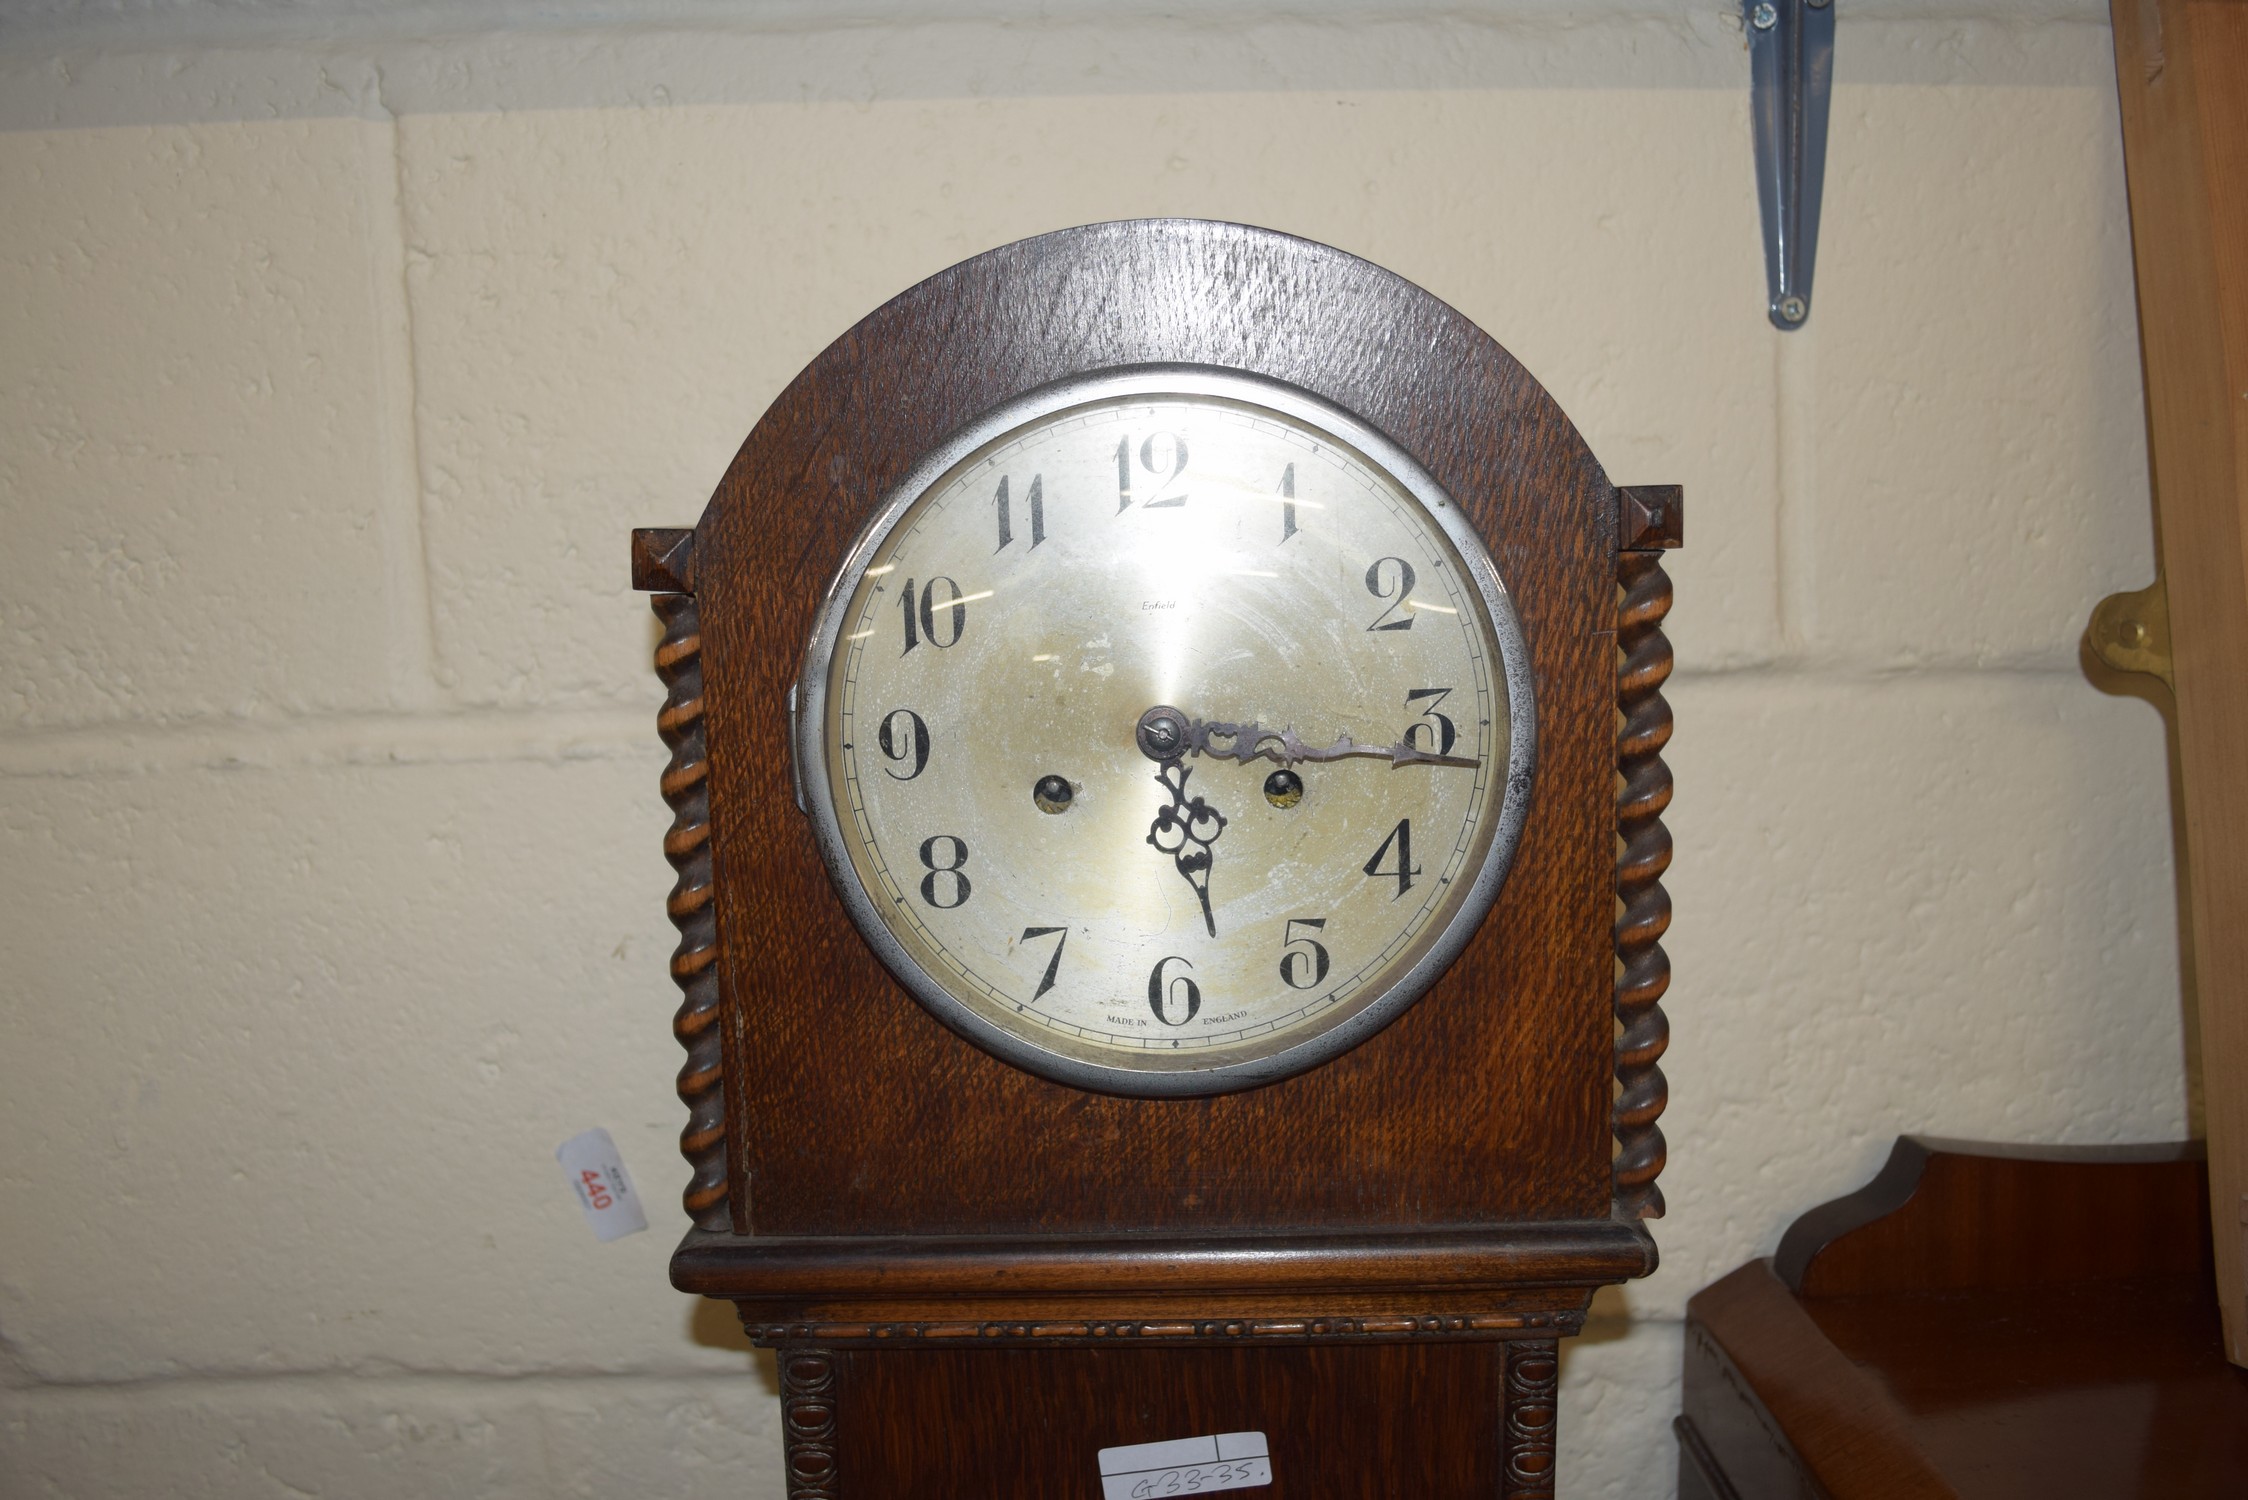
(1166, 752)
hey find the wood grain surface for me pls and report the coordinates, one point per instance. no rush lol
(1377, 1422)
(1353, 1284)
(686, 788)
(1961, 1217)
(1980, 1322)
(2180, 66)
(2082, 1390)
(1643, 849)
(1783, 1411)
(853, 1112)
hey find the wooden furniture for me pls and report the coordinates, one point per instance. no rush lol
(2180, 66)
(975, 1277)
(1988, 1321)
(1976, 1322)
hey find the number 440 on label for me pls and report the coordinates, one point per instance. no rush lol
(597, 1173)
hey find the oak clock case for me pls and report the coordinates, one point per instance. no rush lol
(1112, 891)
(1409, 1125)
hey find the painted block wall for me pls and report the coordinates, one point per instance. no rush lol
(342, 344)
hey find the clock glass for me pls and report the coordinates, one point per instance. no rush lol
(1167, 732)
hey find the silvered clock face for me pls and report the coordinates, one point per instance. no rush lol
(1168, 732)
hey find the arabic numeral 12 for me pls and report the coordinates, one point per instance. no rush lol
(1166, 463)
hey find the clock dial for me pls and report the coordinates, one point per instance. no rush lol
(1171, 736)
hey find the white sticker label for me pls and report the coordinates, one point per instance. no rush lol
(596, 1172)
(1186, 1466)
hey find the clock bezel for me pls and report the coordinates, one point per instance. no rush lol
(1436, 950)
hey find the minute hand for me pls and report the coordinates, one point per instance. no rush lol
(1247, 742)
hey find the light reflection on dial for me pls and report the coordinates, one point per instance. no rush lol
(1253, 568)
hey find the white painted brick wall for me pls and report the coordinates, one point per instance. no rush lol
(341, 345)
(194, 449)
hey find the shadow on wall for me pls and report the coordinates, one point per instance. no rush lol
(2152, 690)
(713, 1325)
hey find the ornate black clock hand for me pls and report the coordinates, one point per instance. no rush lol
(1167, 734)
(1185, 830)
(1186, 827)
(1247, 742)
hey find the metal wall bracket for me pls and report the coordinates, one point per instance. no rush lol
(1791, 75)
(2130, 632)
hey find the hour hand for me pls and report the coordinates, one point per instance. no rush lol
(1186, 828)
